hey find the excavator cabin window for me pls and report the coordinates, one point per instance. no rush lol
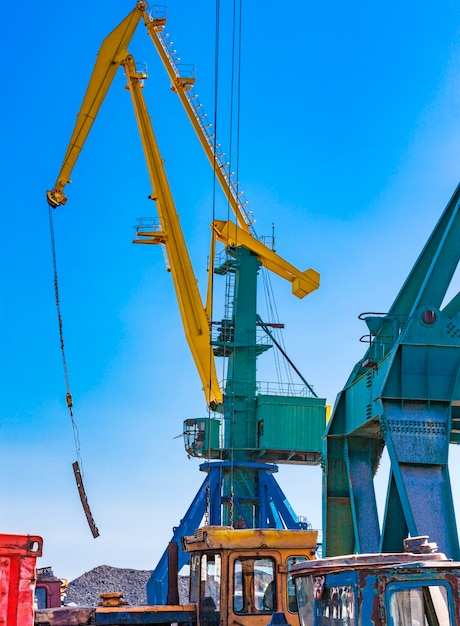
(292, 600)
(254, 585)
(205, 584)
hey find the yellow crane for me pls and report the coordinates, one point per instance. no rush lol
(112, 55)
(195, 316)
(251, 490)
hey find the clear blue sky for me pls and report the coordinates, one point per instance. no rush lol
(349, 142)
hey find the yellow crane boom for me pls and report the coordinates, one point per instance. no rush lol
(182, 85)
(195, 317)
(112, 55)
(113, 50)
(231, 235)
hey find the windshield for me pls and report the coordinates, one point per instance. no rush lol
(292, 602)
(420, 606)
(254, 585)
(322, 605)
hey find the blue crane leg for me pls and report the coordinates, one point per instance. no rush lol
(394, 524)
(417, 437)
(359, 453)
(210, 499)
(405, 394)
(157, 586)
(274, 494)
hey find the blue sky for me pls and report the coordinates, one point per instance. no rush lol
(349, 133)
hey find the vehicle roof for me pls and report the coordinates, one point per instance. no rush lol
(250, 538)
(320, 567)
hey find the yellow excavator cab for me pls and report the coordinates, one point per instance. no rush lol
(241, 576)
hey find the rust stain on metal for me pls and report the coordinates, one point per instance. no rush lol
(84, 499)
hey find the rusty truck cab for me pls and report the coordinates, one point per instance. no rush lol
(403, 589)
(241, 576)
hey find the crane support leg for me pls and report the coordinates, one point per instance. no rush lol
(417, 438)
(395, 525)
(350, 505)
(271, 509)
(157, 590)
(359, 452)
(405, 393)
(338, 535)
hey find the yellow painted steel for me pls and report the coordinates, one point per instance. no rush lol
(275, 547)
(112, 52)
(245, 546)
(112, 55)
(181, 86)
(229, 538)
(194, 319)
(231, 235)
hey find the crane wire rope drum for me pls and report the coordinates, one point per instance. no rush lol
(77, 465)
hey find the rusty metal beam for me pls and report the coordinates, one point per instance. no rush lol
(84, 499)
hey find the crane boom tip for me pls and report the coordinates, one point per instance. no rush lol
(56, 198)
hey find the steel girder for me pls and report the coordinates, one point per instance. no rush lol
(404, 394)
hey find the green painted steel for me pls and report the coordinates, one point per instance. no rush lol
(291, 427)
(404, 394)
(239, 412)
(200, 435)
(254, 427)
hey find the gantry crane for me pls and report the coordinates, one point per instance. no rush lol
(404, 394)
(245, 431)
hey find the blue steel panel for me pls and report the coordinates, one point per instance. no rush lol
(417, 446)
(394, 529)
(147, 618)
(369, 604)
(417, 432)
(363, 501)
(408, 380)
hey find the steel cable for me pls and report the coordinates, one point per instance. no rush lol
(68, 394)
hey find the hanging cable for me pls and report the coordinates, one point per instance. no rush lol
(77, 465)
(283, 371)
(234, 138)
(232, 164)
(207, 514)
(68, 395)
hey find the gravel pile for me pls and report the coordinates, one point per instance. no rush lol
(85, 590)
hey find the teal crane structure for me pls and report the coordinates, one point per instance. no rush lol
(403, 394)
(246, 432)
